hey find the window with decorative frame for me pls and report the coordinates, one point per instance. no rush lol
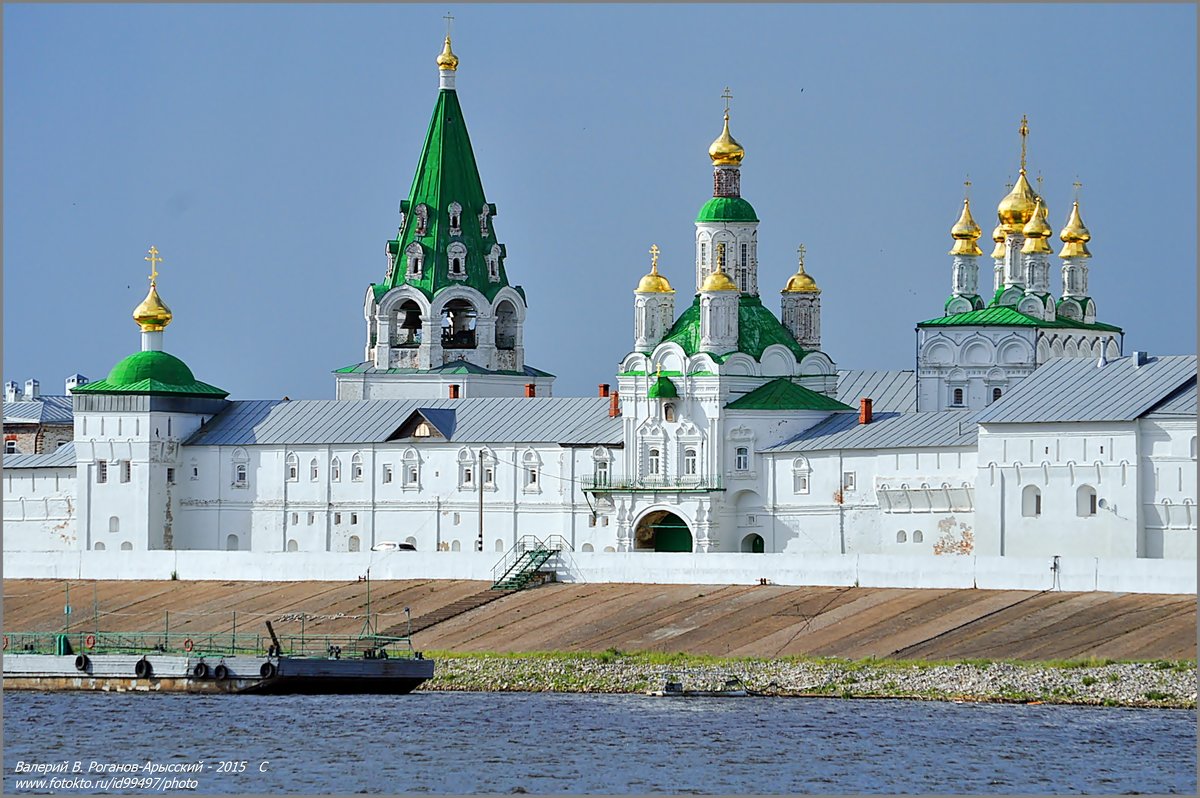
(293, 468)
(313, 471)
(690, 463)
(410, 470)
(654, 462)
(801, 472)
(356, 468)
(532, 466)
(741, 458)
(335, 470)
(387, 473)
(455, 219)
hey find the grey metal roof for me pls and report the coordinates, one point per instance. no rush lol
(886, 431)
(1076, 389)
(566, 420)
(62, 456)
(1182, 404)
(889, 391)
(43, 410)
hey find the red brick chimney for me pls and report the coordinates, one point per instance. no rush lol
(614, 404)
(604, 389)
(530, 390)
(454, 391)
(864, 411)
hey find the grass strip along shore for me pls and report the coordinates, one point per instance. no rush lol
(1159, 683)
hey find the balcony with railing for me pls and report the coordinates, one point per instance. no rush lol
(660, 484)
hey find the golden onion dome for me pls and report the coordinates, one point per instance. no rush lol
(998, 237)
(718, 281)
(153, 314)
(1075, 236)
(1016, 209)
(725, 151)
(1037, 231)
(654, 283)
(801, 282)
(965, 233)
(447, 60)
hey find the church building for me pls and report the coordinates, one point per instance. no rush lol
(1023, 430)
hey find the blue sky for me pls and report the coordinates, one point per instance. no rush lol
(265, 150)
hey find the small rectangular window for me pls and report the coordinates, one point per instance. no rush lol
(353, 518)
(337, 518)
(170, 476)
(387, 474)
(101, 472)
(801, 483)
(532, 477)
(195, 472)
(848, 480)
(489, 476)
(126, 471)
(312, 517)
(295, 518)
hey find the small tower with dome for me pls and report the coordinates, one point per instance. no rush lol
(801, 306)
(129, 428)
(653, 307)
(1076, 304)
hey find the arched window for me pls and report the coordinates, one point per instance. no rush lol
(918, 536)
(127, 546)
(415, 257)
(1192, 448)
(313, 471)
(800, 474)
(455, 546)
(335, 470)
(406, 324)
(231, 543)
(493, 263)
(1085, 501)
(499, 546)
(292, 545)
(689, 462)
(456, 255)
(1031, 501)
(356, 467)
(412, 469)
(531, 462)
(455, 219)
(588, 547)
(996, 393)
(741, 459)
(668, 412)
(901, 536)
(293, 468)
(240, 475)
(506, 325)
(654, 463)
(958, 396)
(114, 524)
(355, 543)
(410, 540)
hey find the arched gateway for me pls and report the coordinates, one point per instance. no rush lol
(662, 530)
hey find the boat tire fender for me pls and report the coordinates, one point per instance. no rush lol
(82, 663)
(143, 668)
(200, 671)
(267, 670)
(221, 673)
(90, 641)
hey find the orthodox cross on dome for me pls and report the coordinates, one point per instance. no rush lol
(1077, 186)
(800, 250)
(967, 188)
(1024, 131)
(154, 261)
(654, 258)
(726, 96)
(449, 20)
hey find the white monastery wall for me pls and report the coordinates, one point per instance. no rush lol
(1167, 449)
(1075, 574)
(40, 509)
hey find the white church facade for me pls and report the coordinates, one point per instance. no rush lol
(1023, 430)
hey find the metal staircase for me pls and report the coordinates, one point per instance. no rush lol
(522, 563)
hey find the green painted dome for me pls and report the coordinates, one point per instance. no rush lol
(727, 209)
(151, 372)
(159, 366)
(662, 388)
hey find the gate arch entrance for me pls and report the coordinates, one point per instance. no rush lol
(662, 530)
(753, 544)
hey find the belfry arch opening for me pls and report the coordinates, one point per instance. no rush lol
(406, 324)
(506, 325)
(662, 530)
(458, 325)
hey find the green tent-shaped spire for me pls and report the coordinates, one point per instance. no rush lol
(447, 189)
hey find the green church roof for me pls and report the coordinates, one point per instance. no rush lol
(153, 373)
(662, 388)
(783, 394)
(757, 329)
(446, 173)
(727, 209)
(1004, 316)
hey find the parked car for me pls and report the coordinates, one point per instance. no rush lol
(391, 545)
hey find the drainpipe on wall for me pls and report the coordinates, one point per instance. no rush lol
(841, 504)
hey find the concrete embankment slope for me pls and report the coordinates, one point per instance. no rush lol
(752, 621)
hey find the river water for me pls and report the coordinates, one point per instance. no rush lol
(444, 742)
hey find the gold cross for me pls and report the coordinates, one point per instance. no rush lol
(154, 260)
(967, 188)
(1077, 186)
(1024, 131)
(727, 96)
(654, 257)
(449, 19)
(800, 250)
